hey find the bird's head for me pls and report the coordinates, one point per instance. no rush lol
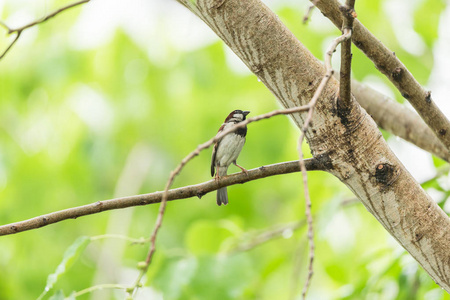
(237, 116)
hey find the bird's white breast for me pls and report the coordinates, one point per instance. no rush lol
(229, 148)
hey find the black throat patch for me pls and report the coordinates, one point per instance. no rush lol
(242, 131)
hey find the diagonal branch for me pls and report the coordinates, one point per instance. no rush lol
(11, 44)
(398, 120)
(388, 64)
(308, 13)
(19, 30)
(360, 157)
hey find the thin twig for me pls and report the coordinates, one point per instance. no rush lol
(254, 239)
(265, 236)
(133, 241)
(11, 44)
(344, 101)
(99, 287)
(329, 72)
(19, 30)
(49, 16)
(178, 169)
(197, 190)
(308, 13)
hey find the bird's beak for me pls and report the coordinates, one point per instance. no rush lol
(246, 112)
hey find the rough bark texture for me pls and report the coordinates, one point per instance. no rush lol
(358, 154)
(399, 120)
(388, 64)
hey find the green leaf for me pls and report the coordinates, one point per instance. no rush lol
(71, 254)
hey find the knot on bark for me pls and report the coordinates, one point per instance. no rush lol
(386, 174)
(428, 97)
(397, 74)
(323, 161)
(348, 12)
(418, 236)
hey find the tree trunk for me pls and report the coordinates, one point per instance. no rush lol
(348, 140)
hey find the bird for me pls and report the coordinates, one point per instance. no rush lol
(227, 149)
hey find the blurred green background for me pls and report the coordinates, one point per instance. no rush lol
(104, 101)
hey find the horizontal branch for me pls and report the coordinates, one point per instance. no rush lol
(197, 190)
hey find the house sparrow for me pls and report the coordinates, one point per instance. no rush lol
(227, 150)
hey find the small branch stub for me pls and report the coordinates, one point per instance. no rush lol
(383, 173)
(349, 12)
(386, 174)
(428, 98)
(308, 13)
(397, 74)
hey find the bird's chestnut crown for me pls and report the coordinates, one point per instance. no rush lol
(237, 115)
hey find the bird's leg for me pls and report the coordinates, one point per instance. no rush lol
(216, 177)
(243, 169)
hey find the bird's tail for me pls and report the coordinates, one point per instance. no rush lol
(222, 195)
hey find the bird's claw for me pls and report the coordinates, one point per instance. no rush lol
(242, 168)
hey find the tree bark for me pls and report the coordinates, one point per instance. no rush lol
(359, 156)
(387, 63)
(398, 120)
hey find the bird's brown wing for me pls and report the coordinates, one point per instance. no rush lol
(213, 158)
